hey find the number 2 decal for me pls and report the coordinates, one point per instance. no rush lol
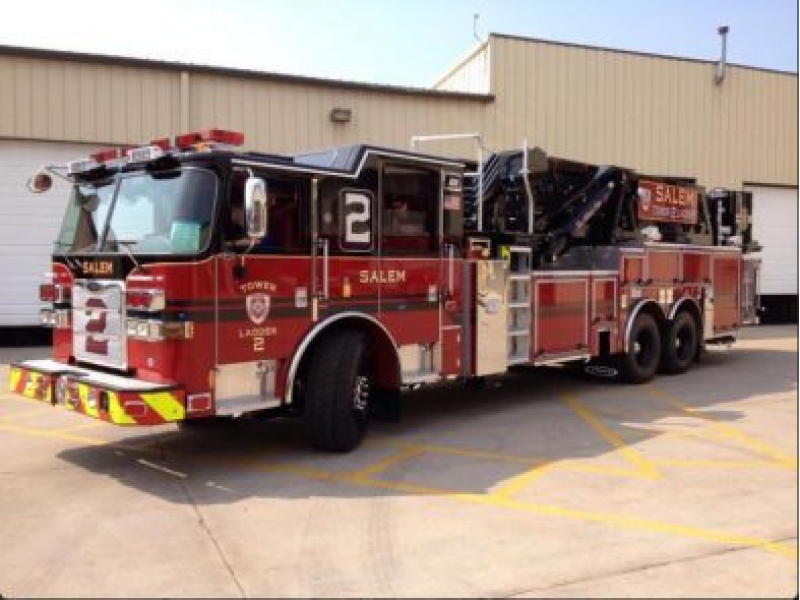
(356, 211)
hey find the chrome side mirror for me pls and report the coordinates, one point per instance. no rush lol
(255, 208)
(40, 182)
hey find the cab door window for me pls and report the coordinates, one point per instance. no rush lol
(409, 219)
(286, 207)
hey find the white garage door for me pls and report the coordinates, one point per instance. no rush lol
(775, 228)
(29, 224)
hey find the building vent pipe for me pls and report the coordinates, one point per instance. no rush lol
(722, 30)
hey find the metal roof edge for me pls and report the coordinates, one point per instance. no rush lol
(636, 53)
(125, 61)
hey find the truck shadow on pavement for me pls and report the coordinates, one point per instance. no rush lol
(453, 440)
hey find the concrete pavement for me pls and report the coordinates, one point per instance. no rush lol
(543, 484)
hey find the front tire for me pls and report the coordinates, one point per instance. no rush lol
(680, 345)
(640, 363)
(337, 392)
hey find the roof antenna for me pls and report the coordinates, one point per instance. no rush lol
(475, 18)
(722, 30)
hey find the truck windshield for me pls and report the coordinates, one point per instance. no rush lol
(151, 213)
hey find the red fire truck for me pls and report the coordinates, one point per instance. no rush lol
(193, 282)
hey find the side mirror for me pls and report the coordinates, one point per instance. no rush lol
(255, 208)
(40, 182)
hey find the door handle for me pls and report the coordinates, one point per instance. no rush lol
(451, 256)
(324, 247)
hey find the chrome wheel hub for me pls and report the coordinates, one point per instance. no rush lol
(361, 393)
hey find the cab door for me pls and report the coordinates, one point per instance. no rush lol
(346, 249)
(411, 270)
(263, 303)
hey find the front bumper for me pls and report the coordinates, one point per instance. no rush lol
(119, 400)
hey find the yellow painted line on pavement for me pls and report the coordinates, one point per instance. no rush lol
(756, 445)
(386, 463)
(529, 461)
(460, 451)
(80, 426)
(22, 414)
(71, 437)
(717, 464)
(643, 466)
(513, 485)
(495, 501)
(19, 399)
(51, 433)
(612, 519)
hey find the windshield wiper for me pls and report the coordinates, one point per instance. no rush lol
(126, 244)
(90, 248)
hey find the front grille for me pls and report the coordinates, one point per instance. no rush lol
(98, 317)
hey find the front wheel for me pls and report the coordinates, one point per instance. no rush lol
(680, 345)
(640, 363)
(337, 392)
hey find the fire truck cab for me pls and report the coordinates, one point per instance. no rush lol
(193, 282)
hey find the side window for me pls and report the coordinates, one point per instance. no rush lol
(409, 211)
(234, 229)
(286, 231)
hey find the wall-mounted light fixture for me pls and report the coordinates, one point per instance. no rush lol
(341, 115)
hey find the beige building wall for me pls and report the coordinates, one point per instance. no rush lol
(291, 117)
(112, 102)
(658, 115)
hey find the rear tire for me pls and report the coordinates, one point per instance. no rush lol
(640, 363)
(680, 348)
(337, 392)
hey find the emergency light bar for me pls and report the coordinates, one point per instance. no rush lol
(110, 155)
(206, 139)
(220, 136)
(145, 153)
(82, 166)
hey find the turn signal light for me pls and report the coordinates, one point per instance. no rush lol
(47, 292)
(158, 331)
(51, 292)
(149, 300)
(55, 319)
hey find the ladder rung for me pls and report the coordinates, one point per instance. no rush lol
(520, 276)
(521, 331)
(519, 305)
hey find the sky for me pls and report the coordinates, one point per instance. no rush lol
(396, 42)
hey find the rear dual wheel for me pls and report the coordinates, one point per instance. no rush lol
(640, 363)
(680, 344)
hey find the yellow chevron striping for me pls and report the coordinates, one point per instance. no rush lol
(89, 408)
(116, 412)
(14, 377)
(165, 404)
